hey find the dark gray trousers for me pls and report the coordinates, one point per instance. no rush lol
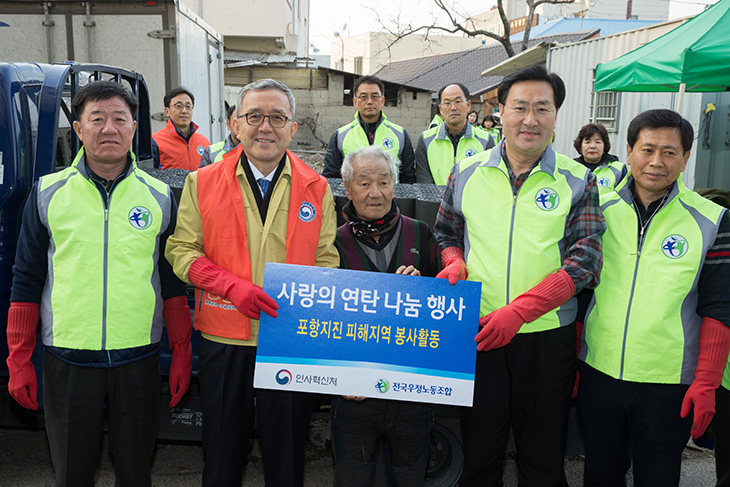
(75, 399)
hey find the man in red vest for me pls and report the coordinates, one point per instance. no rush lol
(260, 204)
(179, 145)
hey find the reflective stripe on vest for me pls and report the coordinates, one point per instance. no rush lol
(607, 175)
(103, 286)
(388, 136)
(643, 325)
(223, 216)
(175, 152)
(512, 243)
(227, 145)
(435, 121)
(440, 149)
(214, 151)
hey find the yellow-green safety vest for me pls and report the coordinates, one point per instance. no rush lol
(513, 242)
(607, 175)
(388, 136)
(103, 288)
(642, 324)
(440, 149)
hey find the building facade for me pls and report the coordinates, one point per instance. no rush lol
(271, 26)
(367, 53)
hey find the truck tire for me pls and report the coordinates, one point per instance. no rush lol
(445, 459)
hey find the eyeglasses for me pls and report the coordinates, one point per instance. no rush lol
(179, 107)
(257, 119)
(539, 112)
(374, 96)
(457, 103)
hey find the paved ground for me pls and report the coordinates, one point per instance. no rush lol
(25, 461)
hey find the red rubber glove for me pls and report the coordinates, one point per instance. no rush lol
(179, 330)
(711, 361)
(246, 296)
(501, 325)
(22, 325)
(454, 267)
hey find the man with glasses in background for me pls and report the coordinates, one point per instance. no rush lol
(178, 145)
(526, 222)
(370, 127)
(259, 204)
(440, 147)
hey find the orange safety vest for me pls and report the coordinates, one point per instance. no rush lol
(175, 152)
(223, 216)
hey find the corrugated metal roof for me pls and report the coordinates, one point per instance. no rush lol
(233, 56)
(433, 72)
(606, 26)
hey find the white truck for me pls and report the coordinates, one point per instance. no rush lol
(161, 39)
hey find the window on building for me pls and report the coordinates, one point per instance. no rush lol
(358, 64)
(604, 107)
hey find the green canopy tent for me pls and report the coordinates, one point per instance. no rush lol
(693, 57)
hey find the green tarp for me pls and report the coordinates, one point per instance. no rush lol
(697, 53)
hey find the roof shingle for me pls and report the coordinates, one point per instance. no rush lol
(433, 72)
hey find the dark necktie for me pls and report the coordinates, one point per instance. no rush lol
(264, 183)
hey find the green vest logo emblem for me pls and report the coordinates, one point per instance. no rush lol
(140, 217)
(547, 199)
(675, 246)
(382, 386)
(388, 143)
(603, 182)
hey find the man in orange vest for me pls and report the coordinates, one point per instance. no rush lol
(260, 204)
(179, 145)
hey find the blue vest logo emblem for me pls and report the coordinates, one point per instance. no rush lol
(547, 199)
(603, 182)
(388, 143)
(283, 377)
(675, 246)
(470, 152)
(382, 386)
(140, 217)
(307, 212)
(201, 149)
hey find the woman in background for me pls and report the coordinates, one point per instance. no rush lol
(593, 145)
(489, 124)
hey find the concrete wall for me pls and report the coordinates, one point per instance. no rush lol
(253, 18)
(324, 107)
(643, 10)
(259, 21)
(373, 47)
(570, 10)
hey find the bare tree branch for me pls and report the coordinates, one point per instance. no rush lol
(462, 23)
(533, 4)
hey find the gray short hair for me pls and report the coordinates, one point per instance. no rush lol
(370, 152)
(268, 84)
